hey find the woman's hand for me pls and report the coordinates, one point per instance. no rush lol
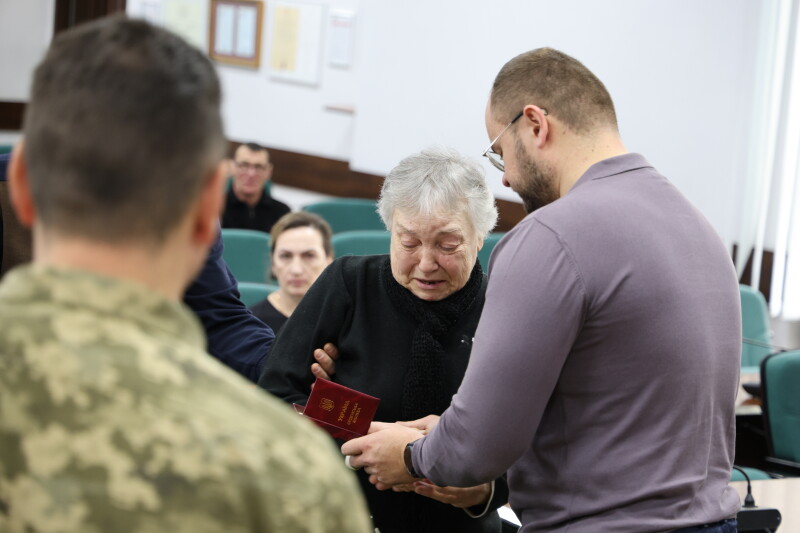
(326, 357)
(455, 496)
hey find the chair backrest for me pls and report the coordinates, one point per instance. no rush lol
(780, 380)
(488, 245)
(247, 254)
(363, 242)
(755, 326)
(252, 293)
(348, 214)
(753, 473)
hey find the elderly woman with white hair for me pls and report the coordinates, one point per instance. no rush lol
(403, 324)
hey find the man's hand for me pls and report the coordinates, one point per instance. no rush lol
(425, 424)
(326, 357)
(456, 496)
(381, 453)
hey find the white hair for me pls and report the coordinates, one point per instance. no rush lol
(437, 180)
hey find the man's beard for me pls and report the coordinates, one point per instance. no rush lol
(537, 184)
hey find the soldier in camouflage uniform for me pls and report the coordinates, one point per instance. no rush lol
(112, 416)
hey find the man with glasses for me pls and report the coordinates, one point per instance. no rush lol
(604, 369)
(248, 204)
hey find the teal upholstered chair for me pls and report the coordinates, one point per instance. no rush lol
(755, 328)
(488, 246)
(363, 242)
(780, 402)
(247, 254)
(251, 293)
(348, 214)
(753, 473)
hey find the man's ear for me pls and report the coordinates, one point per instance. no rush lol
(209, 206)
(19, 188)
(536, 122)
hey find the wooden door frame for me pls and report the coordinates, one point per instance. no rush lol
(68, 13)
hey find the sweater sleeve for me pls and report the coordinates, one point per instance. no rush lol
(235, 336)
(319, 318)
(534, 308)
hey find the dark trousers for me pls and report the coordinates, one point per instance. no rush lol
(725, 526)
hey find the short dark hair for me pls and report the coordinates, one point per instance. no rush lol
(122, 129)
(556, 82)
(254, 147)
(302, 219)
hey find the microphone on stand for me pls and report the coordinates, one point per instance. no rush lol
(773, 347)
(749, 501)
(753, 518)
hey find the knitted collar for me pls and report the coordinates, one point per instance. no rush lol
(422, 386)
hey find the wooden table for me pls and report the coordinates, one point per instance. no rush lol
(744, 403)
(782, 494)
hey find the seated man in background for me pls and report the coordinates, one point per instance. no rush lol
(248, 205)
(114, 418)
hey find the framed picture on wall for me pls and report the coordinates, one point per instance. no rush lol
(295, 41)
(234, 35)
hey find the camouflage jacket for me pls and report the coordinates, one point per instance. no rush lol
(114, 419)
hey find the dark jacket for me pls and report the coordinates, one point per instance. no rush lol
(260, 217)
(235, 336)
(349, 306)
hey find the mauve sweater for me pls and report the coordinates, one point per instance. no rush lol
(605, 365)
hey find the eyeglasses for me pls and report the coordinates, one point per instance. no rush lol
(244, 166)
(494, 158)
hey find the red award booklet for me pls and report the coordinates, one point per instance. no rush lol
(341, 411)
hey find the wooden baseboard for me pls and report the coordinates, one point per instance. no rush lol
(765, 281)
(335, 178)
(11, 114)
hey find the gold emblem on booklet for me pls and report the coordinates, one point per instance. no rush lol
(343, 412)
(327, 404)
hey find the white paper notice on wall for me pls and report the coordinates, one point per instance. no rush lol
(341, 38)
(295, 41)
(149, 10)
(189, 19)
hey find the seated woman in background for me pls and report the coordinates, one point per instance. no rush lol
(301, 249)
(403, 324)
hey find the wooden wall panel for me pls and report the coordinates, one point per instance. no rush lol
(11, 115)
(765, 281)
(70, 13)
(335, 178)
